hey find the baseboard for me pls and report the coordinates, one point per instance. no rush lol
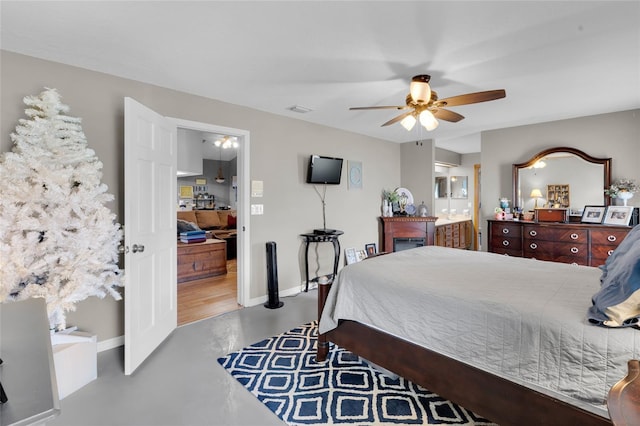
(263, 299)
(105, 345)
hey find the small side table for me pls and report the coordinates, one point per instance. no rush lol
(321, 238)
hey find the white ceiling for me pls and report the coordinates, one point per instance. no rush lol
(556, 60)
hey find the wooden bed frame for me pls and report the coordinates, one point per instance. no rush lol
(495, 398)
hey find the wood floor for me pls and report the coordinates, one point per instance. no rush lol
(208, 297)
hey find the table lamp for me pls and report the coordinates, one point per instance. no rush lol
(535, 193)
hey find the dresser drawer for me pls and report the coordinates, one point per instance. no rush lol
(506, 229)
(573, 260)
(557, 251)
(541, 250)
(505, 244)
(556, 234)
(507, 251)
(608, 237)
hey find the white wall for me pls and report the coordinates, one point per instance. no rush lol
(417, 171)
(280, 148)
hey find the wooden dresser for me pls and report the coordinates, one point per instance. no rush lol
(579, 243)
(202, 260)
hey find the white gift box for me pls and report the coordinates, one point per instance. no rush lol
(76, 362)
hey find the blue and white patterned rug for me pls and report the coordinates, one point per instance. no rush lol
(282, 373)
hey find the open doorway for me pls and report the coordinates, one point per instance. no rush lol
(217, 190)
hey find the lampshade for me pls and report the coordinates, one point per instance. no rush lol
(428, 120)
(535, 193)
(419, 89)
(408, 122)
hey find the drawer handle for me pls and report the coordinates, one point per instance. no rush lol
(533, 246)
(611, 238)
(574, 250)
(533, 233)
(610, 252)
(505, 230)
(505, 243)
(574, 236)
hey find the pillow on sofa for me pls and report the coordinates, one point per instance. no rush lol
(208, 219)
(188, 216)
(184, 226)
(224, 217)
(617, 303)
(231, 221)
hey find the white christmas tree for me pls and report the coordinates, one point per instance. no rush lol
(58, 240)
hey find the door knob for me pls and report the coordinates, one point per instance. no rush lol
(137, 248)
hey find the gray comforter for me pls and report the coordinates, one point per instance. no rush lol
(518, 318)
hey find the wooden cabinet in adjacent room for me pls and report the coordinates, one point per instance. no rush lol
(202, 260)
(455, 235)
(577, 243)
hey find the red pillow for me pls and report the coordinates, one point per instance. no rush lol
(231, 222)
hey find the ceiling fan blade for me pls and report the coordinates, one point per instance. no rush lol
(380, 107)
(398, 118)
(446, 115)
(473, 98)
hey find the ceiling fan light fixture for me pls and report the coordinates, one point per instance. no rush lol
(428, 120)
(408, 122)
(419, 89)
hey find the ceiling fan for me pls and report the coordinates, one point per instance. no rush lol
(423, 104)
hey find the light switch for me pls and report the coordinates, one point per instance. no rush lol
(257, 209)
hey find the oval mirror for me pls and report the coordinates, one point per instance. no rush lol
(564, 177)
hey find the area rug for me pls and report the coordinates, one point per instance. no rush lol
(282, 373)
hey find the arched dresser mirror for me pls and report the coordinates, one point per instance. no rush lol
(565, 176)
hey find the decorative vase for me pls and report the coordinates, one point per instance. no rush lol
(624, 196)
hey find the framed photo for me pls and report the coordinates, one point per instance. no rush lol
(593, 214)
(618, 215)
(201, 181)
(361, 255)
(186, 192)
(371, 249)
(350, 256)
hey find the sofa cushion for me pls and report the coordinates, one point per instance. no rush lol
(185, 226)
(231, 221)
(224, 215)
(188, 216)
(208, 219)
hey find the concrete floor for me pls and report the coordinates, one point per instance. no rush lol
(181, 383)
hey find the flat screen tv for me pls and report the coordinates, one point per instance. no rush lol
(325, 170)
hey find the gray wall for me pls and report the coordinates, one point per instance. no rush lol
(615, 135)
(280, 148)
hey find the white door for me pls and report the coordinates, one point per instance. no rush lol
(150, 293)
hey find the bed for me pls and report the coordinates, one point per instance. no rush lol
(502, 336)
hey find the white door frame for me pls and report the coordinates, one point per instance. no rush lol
(244, 254)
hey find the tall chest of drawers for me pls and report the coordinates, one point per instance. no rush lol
(582, 244)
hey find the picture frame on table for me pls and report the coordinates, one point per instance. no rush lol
(350, 256)
(371, 249)
(593, 214)
(618, 215)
